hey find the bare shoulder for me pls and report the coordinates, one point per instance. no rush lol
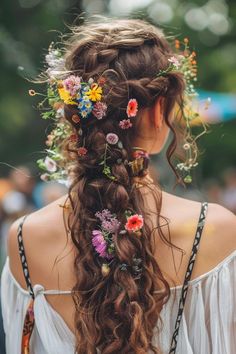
(220, 222)
(218, 239)
(44, 237)
(220, 229)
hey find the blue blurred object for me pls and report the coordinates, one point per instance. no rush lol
(222, 107)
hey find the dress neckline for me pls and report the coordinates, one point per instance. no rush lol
(44, 292)
(194, 281)
(212, 271)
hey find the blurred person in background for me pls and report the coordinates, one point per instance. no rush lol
(46, 192)
(16, 201)
(99, 271)
(22, 181)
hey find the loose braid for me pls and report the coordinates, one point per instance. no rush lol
(117, 313)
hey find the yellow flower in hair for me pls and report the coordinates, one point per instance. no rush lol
(65, 95)
(95, 93)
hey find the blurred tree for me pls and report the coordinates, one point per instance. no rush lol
(26, 30)
(28, 26)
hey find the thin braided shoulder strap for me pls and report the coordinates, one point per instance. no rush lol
(29, 319)
(184, 291)
(23, 258)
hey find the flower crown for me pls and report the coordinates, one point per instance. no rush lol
(88, 100)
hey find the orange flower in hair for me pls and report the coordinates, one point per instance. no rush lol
(132, 108)
(75, 118)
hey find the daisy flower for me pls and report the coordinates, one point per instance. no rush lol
(132, 108)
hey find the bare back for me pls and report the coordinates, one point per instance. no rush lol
(50, 252)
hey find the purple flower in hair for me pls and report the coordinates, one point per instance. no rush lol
(99, 243)
(111, 225)
(103, 215)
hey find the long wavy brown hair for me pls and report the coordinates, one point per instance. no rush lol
(117, 313)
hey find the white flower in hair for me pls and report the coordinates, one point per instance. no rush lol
(56, 64)
(50, 164)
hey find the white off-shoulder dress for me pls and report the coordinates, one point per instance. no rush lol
(204, 323)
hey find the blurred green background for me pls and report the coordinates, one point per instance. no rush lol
(28, 27)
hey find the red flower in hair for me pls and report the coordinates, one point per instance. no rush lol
(82, 151)
(134, 223)
(132, 108)
(73, 138)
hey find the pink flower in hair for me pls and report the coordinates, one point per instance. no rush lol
(50, 164)
(132, 108)
(112, 138)
(99, 110)
(99, 243)
(72, 84)
(175, 62)
(125, 124)
(140, 153)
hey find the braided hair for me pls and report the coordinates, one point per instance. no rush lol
(117, 313)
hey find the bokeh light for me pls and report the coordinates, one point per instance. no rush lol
(124, 7)
(161, 12)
